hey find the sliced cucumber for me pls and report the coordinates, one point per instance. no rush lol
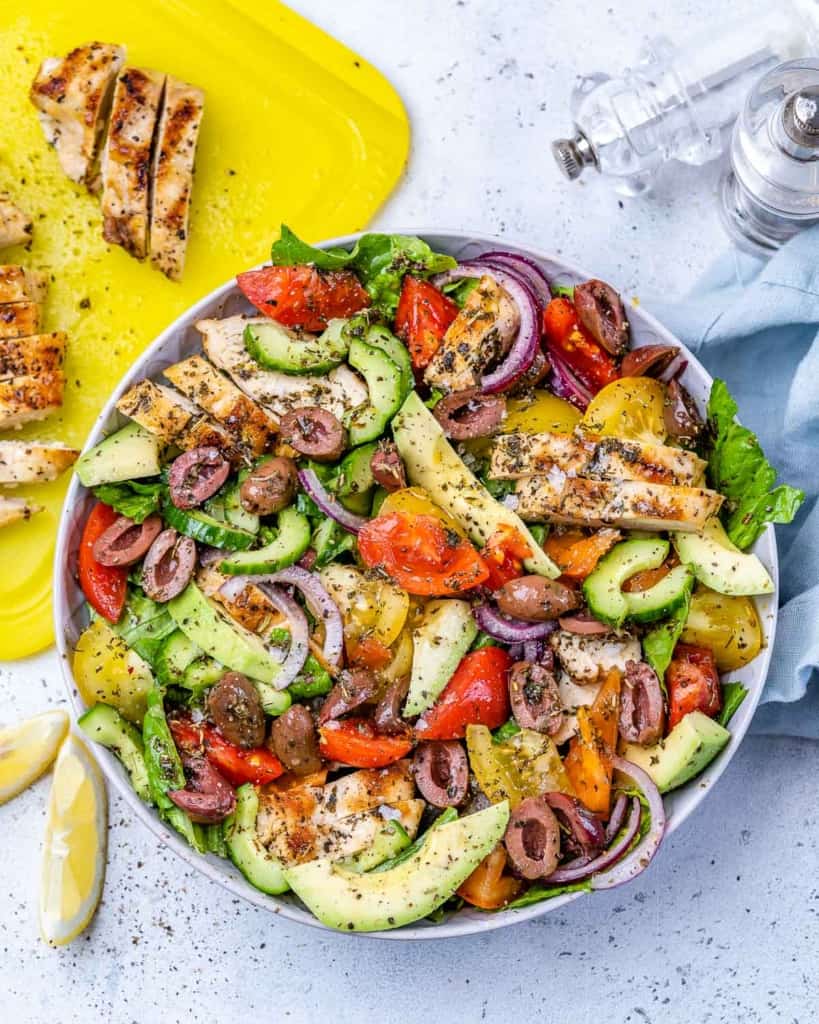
(275, 347)
(129, 454)
(201, 674)
(603, 589)
(105, 725)
(356, 478)
(275, 702)
(258, 866)
(173, 658)
(226, 507)
(380, 337)
(287, 547)
(207, 529)
(384, 383)
(663, 599)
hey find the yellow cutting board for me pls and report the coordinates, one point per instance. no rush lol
(297, 128)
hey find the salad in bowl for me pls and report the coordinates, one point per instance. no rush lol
(412, 585)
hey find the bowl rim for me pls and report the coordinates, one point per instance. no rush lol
(458, 924)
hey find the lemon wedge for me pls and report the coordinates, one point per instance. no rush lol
(74, 848)
(27, 749)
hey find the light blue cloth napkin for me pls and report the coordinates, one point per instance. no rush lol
(762, 337)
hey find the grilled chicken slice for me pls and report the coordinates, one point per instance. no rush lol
(19, 319)
(36, 355)
(252, 608)
(630, 504)
(72, 95)
(339, 392)
(248, 423)
(339, 819)
(33, 462)
(126, 159)
(173, 175)
(598, 458)
(479, 334)
(15, 226)
(20, 285)
(584, 662)
(26, 399)
(12, 510)
(174, 418)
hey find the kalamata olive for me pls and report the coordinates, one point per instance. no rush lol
(533, 838)
(583, 833)
(294, 740)
(125, 542)
(168, 566)
(235, 708)
(208, 797)
(642, 712)
(270, 487)
(314, 432)
(441, 772)
(469, 413)
(308, 559)
(600, 310)
(196, 475)
(536, 599)
(537, 372)
(387, 467)
(387, 717)
(535, 698)
(355, 687)
(682, 419)
(648, 361)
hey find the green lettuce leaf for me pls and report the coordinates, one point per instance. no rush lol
(660, 641)
(136, 499)
(733, 694)
(538, 893)
(739, 470)
(381, 261)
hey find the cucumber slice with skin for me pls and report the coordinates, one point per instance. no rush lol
(380, 337)
(603, 589)
(201, 674)
(174, 656)
(258, 866)
(207, 529)
(275, 347)
(226, 507)
(356, 478)
(105, 725)
(663, 599)
(383, 379)
(287, 547)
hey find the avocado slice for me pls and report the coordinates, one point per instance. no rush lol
(719, 564)
(692, 744)
(432, 463)
(603, 588)
(349, 901)
(442, 638)
(224, 639)
(128, 454)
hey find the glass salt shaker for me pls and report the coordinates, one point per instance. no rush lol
(679, 103)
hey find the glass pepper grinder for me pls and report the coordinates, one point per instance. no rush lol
(679, 102)
(771, 189)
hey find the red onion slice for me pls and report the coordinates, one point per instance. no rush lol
(580, 868)
(510, 631)
(565, 384)
(618, 814)
(584, 623)
(327, 503)
(299, 635)
(527, 268)
(321, 605)
(527, 343)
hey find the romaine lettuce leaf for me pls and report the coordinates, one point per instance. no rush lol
(739, 470)
(538, 893)
(733, 694)
(136, 499)
(379, 260)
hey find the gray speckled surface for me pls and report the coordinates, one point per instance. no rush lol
(722, 927)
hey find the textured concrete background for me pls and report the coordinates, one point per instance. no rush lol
(722, 927)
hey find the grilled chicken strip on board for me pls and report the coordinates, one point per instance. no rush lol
(173, 175)
(15, 226)
(72, 95)
(33, 462)
(126, 159)
(19, 319)
(20, 285)
(13, 510)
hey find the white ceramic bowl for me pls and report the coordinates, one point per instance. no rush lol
(181, 340)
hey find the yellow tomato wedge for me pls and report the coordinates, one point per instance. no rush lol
(74, 847)
(27, 749)
(401, 664)
(630, 408)
(417, 502)
(107, 671)
(537, 413)
(369, 607)
(729, 626)
(527, 764)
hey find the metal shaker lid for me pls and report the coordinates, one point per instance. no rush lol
(800, 117)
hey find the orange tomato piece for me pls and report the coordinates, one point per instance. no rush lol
(577, 555)
(589, 767)
(489, 886)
